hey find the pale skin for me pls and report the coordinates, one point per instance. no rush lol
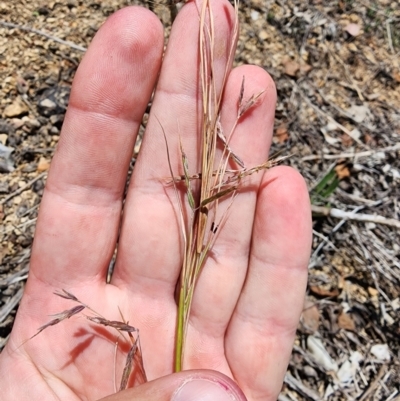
(250, 295)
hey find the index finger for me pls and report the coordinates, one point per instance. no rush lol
(80, 211)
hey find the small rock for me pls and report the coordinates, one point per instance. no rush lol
(395, 304)
(38, 187)
(43, 165)
(353, 48)
(43, 131)
(29, 168)
(4, 188)
(381, 352)
(310, 372)
(6, 163)
(254, 15)
(31, 123)
(43, 11)
(3, 138)
(6, 128)
(57, 119)
(263, 35)
(53, 100)
(17, 200)
(16, 109)
(47, 104)
(17, 123)
(22, 85)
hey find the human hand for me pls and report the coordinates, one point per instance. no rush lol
(250, 294)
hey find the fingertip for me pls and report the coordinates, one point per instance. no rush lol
(133, 27)
(285, 216)
(127, 46)
(193, 385)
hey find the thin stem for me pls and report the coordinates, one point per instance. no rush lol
(180, 331)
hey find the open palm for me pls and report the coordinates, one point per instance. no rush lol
(249, 296)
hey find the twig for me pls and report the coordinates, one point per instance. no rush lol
(46, 35)
(10, 305)
(300, 387)
(389, 34)
(374, 384)
(352, 154)
(341, 214)
(325, 239)
(23, 188)
(355, 198)
(14, 278)
(336, 228)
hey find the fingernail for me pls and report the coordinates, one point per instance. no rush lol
(201, 389)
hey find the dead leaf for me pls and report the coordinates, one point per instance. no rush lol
(291, 68)
(396, 76)
(342, 171)
(311, 316)
(346, 322)
(305, 68)
(281, 133)
(352, 47)
(368, 139)
(373, 292)
(43, 165)
(323, 292)
(347, 141)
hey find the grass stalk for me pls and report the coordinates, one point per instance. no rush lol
(217, 181)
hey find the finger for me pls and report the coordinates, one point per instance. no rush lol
(261, 333)
(190, 385)
(149, 252)
(81, 206)
(222, 277)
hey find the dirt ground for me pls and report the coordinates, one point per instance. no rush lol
(337, 69)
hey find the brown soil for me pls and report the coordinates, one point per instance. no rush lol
(337, 69)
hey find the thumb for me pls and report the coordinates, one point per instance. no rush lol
(190, 385)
